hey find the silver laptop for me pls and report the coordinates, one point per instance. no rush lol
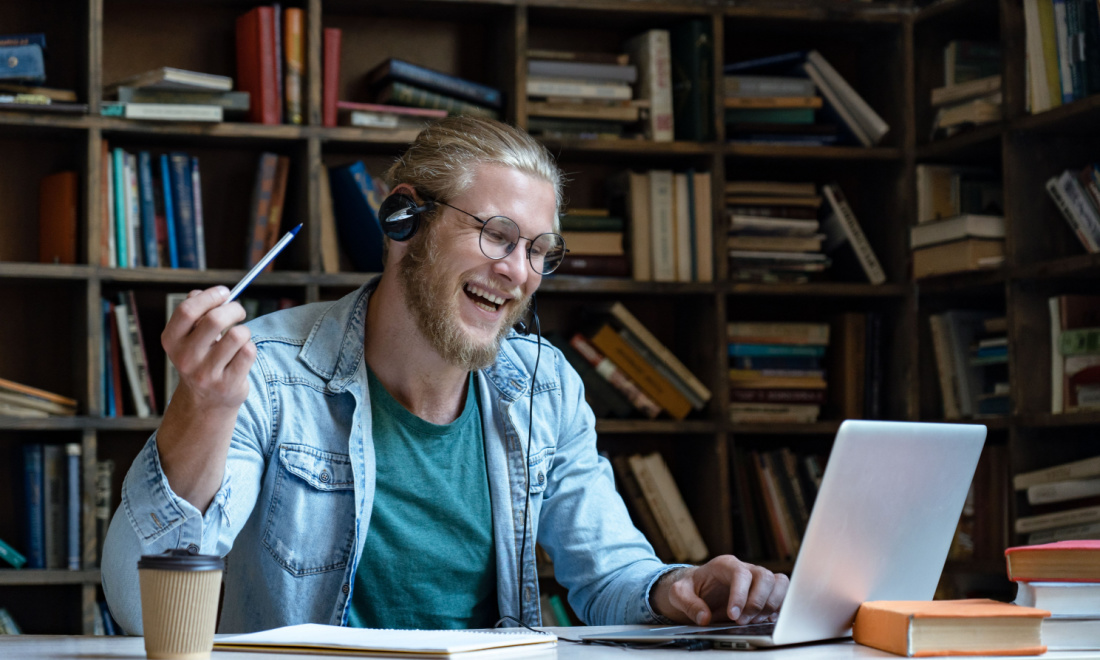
(880, 529)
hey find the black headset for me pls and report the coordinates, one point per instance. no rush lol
(399, 216)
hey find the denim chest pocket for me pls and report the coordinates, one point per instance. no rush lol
(310, 523)
(538, 469)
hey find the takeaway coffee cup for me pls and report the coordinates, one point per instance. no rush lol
(179, 603)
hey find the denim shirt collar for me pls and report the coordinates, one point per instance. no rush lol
(336, 344)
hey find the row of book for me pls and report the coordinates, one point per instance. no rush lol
(52, 508)
(796, 98)
(1063, 52)
(658, 508)
(775, 235)
(671, 224)
(1074, 352)
(20, 400)
(777, 372)
(971, 353)
(1061, 502)
(1077, 194)
(627, 371)
(971, 91)
(960, 220)
(596, 240)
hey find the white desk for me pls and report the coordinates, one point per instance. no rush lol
(49, 647)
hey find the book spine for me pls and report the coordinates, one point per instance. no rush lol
(652, 53)
(11, 555)
(682, 226)
(148, 209)
(256, 67)
(578, 89)
(196, 201)
(121, 242)
(640, 467)
(445, 84)
(116, 365)
(127, 349)
(1083, 210)
(695, 547)
(34, 505)
(1046, 521)
(405, 94)
(613, 375)
(856, 238)
(1089, 467)
(626, 73)
(330, 86)
(1083, 341)
(662, 227)
(1062, 491)
(133, 213)
(173, 111)
(73, 509)
(184, 207)
(169, 212)
(1061, 37)
(293, 26)
(261, 207)
(106, 393)
(641, 233)
(637, 346)
(141, 355)
(275, 215)
(768, 350)
(752, 395)
(1068, 533)
(104, 507)
(108, 255)
(53, 505)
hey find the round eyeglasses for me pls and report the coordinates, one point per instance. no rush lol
(500, 236)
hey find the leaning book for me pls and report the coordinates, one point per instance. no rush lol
(322, 639)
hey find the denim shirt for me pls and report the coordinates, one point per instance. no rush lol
(294, 507)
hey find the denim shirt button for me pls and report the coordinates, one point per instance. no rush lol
(324, 476)
(345, 589)
(542, 478)
(192, 548)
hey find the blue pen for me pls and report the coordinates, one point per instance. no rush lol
(258, 268)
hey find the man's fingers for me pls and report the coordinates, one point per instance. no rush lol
(763, 583)
(190, 312)
(684, 597)
(740, 583)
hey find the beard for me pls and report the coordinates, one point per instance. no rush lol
(431, 297)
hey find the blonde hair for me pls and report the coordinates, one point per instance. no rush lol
(440, 163)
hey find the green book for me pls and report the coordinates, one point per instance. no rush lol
(770, 115)
(591, 223)
(560, 613)
(691, 48)
(1085, 341)
(11, 555)
(398, 93)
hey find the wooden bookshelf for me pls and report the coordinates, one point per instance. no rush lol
(890, 52)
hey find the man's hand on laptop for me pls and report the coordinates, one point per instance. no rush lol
(723, 589)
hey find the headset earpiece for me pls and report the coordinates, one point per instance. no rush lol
(399, 216)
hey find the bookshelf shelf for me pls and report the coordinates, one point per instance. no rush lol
(813, 153)
(1065, 119)
(983, 142)
(34, 271)
(600, 285)
(37, 121)
(940, 8)
(36, 577)
(1080, 265)
(826, 427)
(201, 278)
(992, 423)
(629, 147)
(955, 282)
(197, 132)
(1050, 420)
(818, 290)
(658, 426)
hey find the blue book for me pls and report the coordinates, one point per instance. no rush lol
(169, 211)
(183, 203)
(992, 351)
(738, 350)
(72, 509)
(436, 81)
(109, 409)
(33, 507)
(782, 64)
(119, 173)
(794, 362)
(148, 209)
(355, 205)
(109, 627)
(11, 555)
(23, 63)
(27, 39)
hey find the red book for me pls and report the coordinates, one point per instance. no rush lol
(330, 76)
(1064, 561)
(57, 217)
(256, 64)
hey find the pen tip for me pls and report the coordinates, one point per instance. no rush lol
(295, 230)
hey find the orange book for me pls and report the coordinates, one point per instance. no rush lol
(293, 27)
(979, 626)
(275, 212)
(1064, 561)
(57, 216)
(641, 372)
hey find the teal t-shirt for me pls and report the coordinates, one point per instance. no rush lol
(428, 561)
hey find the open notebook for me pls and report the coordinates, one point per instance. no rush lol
(318, 638)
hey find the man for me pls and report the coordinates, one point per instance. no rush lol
(373, 461)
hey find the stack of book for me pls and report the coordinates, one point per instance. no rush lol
(24, 73)
(153, 210)
(971, 91)
(271, 63)
(1063, 64)
(1062, 500)
(658, 507)
(594, 238)
(627, 355)
(581, 95)
(1077, 195)
(774, 234)
(776, 373)
(1074, 358)
(972, 381)
(960, 223)
(671, 220)
(796, 98)
(387, 122)
(398, 82)
(1063, 579)
(19, 400)
(172, 94)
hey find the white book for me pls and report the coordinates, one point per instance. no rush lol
(1061, 598)
(651, 52)
(960, 226)
(1070, 213)
(1061, 491)
(662, 234)
(682, 224)
(866, 255)
(755, 224)
(577, 88)
(1069, 533)
(400, 643)
(1071, 633)
(167, 111)
(1036, 70)
(868, 119)
(842, 110)
(127, 348)
(167, 77)
(1082, 469)
(1081, 516)
(1087, 215)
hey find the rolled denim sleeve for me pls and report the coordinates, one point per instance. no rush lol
(599, 555)
(152, 518)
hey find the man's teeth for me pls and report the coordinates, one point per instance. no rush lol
(484, 294)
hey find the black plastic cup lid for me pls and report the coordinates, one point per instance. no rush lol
(179, 559)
